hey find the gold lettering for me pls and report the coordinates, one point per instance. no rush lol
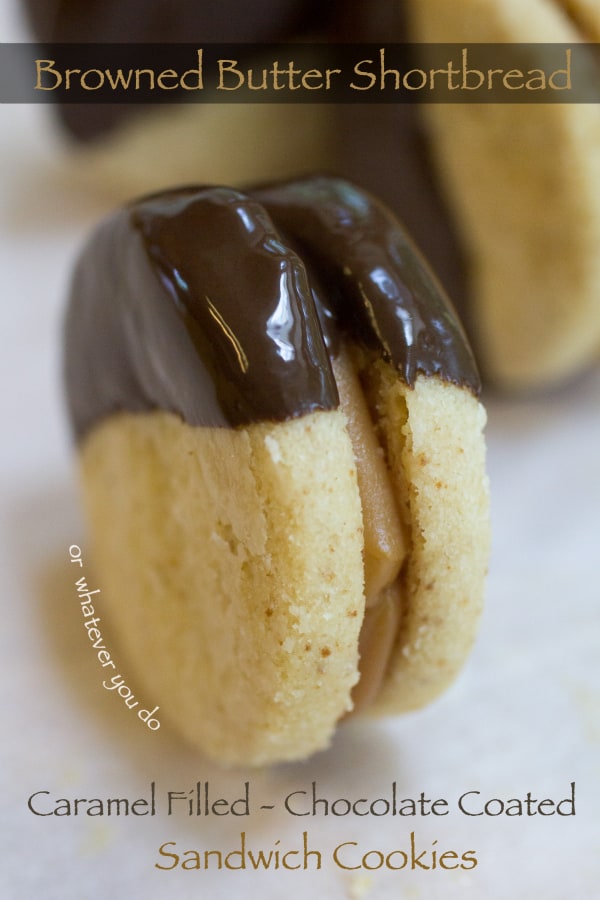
(229, 65)
(46, 65)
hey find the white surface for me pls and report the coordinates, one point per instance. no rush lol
(525, 715)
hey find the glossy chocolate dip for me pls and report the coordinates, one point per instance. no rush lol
(224, 307)
(380, 289)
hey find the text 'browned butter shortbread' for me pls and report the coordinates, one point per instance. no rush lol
(283, 461)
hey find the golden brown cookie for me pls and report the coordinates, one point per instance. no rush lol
(283, 461)
(524, 183)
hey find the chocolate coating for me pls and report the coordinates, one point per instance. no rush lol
(189, 301)
(381, 290)
(193, 301)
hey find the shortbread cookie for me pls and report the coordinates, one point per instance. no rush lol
(123, 149)
(524, 183)
(282, 458)
(159, 22)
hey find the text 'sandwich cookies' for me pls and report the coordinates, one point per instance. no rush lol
(283, 463)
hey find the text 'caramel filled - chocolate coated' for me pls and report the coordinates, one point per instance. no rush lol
(226, 307)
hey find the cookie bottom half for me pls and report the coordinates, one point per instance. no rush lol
(231, 561)
(232, 564)
(210, 143)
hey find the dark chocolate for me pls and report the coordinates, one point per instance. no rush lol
(189, 301)
(382, 291)
(386, 149)
(193, 301)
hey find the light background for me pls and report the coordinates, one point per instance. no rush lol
(524, 716)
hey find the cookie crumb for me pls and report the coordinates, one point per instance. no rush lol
(273, 447)
(360, 887)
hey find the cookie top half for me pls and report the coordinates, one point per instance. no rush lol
(227, 307)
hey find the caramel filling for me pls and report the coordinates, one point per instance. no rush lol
(376, 641)
(385, 545)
